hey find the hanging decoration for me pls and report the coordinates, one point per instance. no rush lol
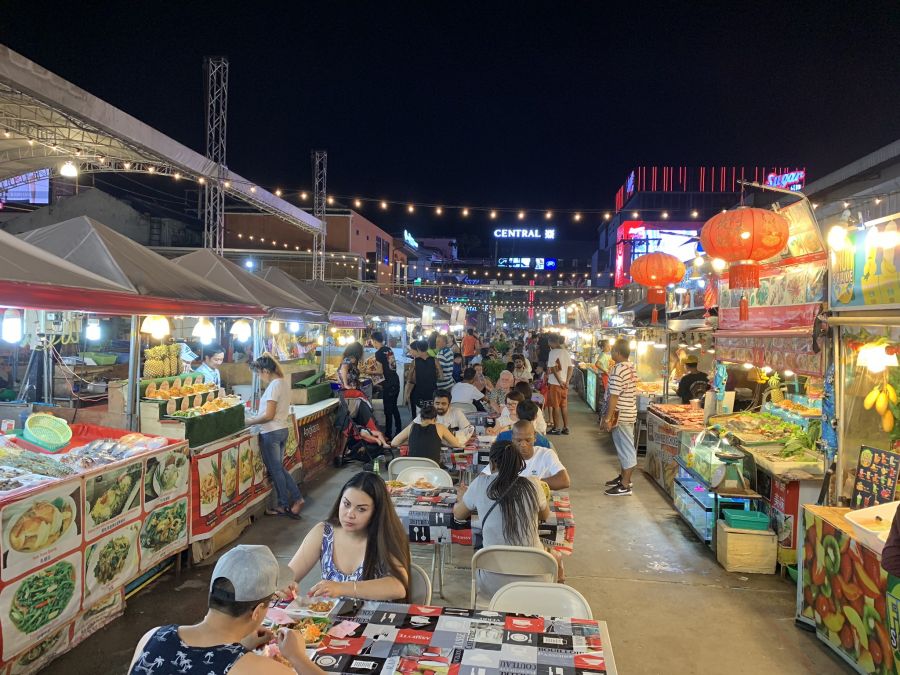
(744, 238)
(656, 271)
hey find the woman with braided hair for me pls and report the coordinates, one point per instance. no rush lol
(510, 508)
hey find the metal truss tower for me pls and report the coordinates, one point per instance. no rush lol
(216, 71)
(320, 182)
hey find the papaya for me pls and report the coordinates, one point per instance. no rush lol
(881, 403)
(891, 392)
(869, 401)
(887, 421)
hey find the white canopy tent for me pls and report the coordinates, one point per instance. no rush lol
(46, 121)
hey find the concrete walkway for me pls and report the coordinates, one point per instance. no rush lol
(669, 605)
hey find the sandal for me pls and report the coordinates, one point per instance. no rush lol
(299, 503)
(291, 515)
(274, 512)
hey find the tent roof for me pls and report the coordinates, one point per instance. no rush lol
(382, 305)
(340, 308)
(281, 303)
(414, 308)
(93, 246)
(50, 121)
(31, 277)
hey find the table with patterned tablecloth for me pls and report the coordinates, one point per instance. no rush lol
(427, 517)
(378, 637)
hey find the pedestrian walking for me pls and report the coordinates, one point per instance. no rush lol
(559, 365)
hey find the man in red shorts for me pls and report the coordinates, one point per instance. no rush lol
(559, 367)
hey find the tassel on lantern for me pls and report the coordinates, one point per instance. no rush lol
(744, 308)
(654, 315)
(656, 295)
(743, 275)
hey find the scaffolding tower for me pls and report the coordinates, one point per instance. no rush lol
(216, 70)
(320, 182)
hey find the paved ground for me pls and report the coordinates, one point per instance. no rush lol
(670, 607)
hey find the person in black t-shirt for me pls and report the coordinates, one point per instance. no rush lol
(390, 388)
(691, 377)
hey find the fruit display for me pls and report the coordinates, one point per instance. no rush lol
(212, 406)
(177, 391)
(844, 592)
(161, 361)
(883, 399)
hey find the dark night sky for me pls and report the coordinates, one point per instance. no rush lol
(531, 105)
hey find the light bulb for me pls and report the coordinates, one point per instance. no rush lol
(204, 330)
(789, 373)
(241, 330)
(294, 327)
(11, 330)
(92, 331)
(274, 327)
(69, 170)
(718, 264)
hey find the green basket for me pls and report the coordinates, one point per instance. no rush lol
(746, 520)
(47, 431)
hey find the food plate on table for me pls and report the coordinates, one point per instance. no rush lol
(308, 607)
(423, 485)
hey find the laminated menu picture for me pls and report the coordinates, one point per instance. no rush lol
(166, 476)
(246, 472)
(39, 528)
(164, 532)
(111, 498)
(110, 562)
(32, 608)
(229, 467)
(95, 616)
(42, 653)
(208, 475)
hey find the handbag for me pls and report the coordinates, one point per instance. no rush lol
(478, 537)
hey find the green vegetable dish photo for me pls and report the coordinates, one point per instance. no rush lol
(42, 597)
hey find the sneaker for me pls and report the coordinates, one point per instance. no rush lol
(565, 432)
(554, 432)
(615, 481)
(619, 490)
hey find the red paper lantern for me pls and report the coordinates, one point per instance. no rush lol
(656, 271)
(744, 237)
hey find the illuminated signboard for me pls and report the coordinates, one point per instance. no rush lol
(545, 263)
(408, 238)
(637, 237)
(525, 233)
(29, 188)
(793, 180)
(629, 185)
(513, 262)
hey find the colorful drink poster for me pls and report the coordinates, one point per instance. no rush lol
(876, 477)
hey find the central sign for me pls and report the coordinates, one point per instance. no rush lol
(525, 233)
(408, 238)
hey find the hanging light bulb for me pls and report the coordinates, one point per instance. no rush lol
(274, 327)
(241, 330)
(11, 330)
(204, 330)
(92, 330)
(156, 326)
(69, 170)
(294, 327)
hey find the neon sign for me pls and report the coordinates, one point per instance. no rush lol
(793, 180)
(408, 238)
(518, 233)
(629, 185)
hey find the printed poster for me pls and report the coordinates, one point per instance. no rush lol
(164, 532)
(865, 269)
(40, 527)
(876, 477)
(166, 476)
(112, 498)
(111, 562)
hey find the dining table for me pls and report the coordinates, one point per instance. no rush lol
(365, 636)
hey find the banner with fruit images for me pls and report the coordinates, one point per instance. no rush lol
(864, 265)
(846, 594)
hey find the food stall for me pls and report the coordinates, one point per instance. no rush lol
(843, 592)
(667, 425)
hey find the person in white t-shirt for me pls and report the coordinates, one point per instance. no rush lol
(541, 463)
(466, 391)
(559, 367)
(452, 418)
(272, 418)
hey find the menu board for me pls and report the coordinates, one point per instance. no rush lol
(69, 546)
(876, 477)
(227, 478)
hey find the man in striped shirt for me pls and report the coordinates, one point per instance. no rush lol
(444, 359)
(621, 414)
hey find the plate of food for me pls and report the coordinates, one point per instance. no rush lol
(229, 474)
(423, 485)
(111, 561)
(41, 524)
(43, 597)
(305, 606)
(164, 526)
(395, 485)
(112, 496)
(170, 473)
(208, 470)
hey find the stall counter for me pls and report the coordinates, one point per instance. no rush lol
(843, 591)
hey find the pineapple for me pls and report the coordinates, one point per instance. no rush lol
(154, 368)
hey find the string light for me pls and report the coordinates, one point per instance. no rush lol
(493, 215)
(384, 205)
(357, 203)
(577, 217)
(465, 213)
(303, 196)
(277, 192)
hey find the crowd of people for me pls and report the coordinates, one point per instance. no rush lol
(362, 549)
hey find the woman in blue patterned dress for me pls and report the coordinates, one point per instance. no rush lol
(362, 548)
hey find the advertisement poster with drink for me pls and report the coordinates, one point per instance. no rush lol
(864, 264)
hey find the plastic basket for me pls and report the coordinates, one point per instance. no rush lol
(746, 520)
(47, 431)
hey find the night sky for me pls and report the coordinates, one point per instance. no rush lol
(516, 105)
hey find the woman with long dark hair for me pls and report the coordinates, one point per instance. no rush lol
(362, 547)
(510, 507)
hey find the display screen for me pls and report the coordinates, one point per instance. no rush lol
(29, 188)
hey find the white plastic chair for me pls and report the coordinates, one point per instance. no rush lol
(531, 597)
(436, 476)
(419, 585)
(397, 465)
(513, 560)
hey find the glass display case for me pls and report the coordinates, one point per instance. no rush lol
(698, 453)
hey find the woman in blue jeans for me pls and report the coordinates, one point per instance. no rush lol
(274, 408)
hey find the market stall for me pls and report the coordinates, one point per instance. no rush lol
(668, 426)
(842, 544)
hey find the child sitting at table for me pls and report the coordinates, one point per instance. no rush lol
(362, 548)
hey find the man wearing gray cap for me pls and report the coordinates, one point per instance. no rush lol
(243, 582)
